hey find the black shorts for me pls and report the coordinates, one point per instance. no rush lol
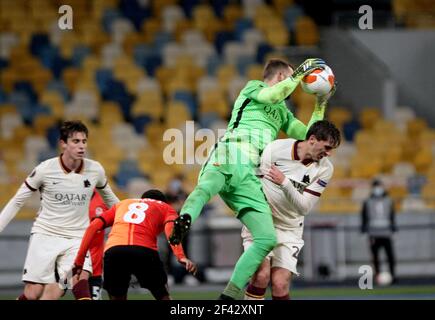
(120, 262)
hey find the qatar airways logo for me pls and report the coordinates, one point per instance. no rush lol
(71, 198)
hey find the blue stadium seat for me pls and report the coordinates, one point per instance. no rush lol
(243, 63)
(290, 16)
(116, 91)
(161, 38)
(188, 99)
(221, 38)
(38, 42)
(241, 26)
(109, 16)
(47, 154)
(188, 6)
(219, 6)
(102, 77)
(3, 64)
(19, 99)
(3, 96)
(140, 122)
(262, 50)
(148, 57)
(60, 87)
(350, 128)
(53, 136)
(206, 119)
(415, 184)
(51, 59)
(135, 12)
(79, 54)
(26, 88)
(128, 169)
(213, 62)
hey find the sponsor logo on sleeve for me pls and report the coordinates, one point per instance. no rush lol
(322, 183)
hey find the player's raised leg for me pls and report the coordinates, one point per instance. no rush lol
(210, 183)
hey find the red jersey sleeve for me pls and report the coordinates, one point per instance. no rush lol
(169, 216)
(108, 216)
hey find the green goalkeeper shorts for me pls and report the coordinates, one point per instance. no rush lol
(242, 190)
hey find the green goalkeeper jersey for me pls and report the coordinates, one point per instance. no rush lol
(256, 121)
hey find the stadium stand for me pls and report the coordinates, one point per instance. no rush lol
(132, 69)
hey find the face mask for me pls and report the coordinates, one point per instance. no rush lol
(378, 191)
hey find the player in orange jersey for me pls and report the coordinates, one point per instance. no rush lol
(96, 208)
(132, 245)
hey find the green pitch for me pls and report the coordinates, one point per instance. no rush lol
(333, 293)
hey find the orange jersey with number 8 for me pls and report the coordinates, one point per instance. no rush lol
(137, 222)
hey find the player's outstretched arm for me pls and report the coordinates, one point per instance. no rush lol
(320, 106)
(189, 264)
(178, 249)
(94, 227)
(283, 89)
(14, 205)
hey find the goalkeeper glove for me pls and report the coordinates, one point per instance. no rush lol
(307, 67)
(323, 99)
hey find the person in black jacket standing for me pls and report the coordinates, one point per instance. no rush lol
(378, 221)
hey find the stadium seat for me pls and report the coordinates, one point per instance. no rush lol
(171, 15)
(306, 32)
(368, 117)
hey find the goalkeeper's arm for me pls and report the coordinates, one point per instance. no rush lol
(281, 90)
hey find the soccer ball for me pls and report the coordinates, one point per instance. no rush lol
(319, 81)
(384, 279)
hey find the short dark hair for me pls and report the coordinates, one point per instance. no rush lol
(155, 194)
(67, 128)
(376, 182)
(273, 66)
(324, 130)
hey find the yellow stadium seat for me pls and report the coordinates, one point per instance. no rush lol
(423, 160)
(428, 194)
(150, 103)
(225, 73)
(306, 32)
(361, 168)
(232, 12)
(277, 36)
(415, 127)
(214, 101)
(42, 122)
(181, 27)
(110, 114)
(369, 116)
(154, 133)
(281, 5)
(255, 72)
(159, 5)
(339, 115)
(150, 27)
(177, 114)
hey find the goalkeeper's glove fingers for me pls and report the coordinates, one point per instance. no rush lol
(323, 99)
(307, 67)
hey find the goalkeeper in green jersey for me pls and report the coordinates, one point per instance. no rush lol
(259, 114)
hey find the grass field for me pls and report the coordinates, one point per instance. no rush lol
(327, 293)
